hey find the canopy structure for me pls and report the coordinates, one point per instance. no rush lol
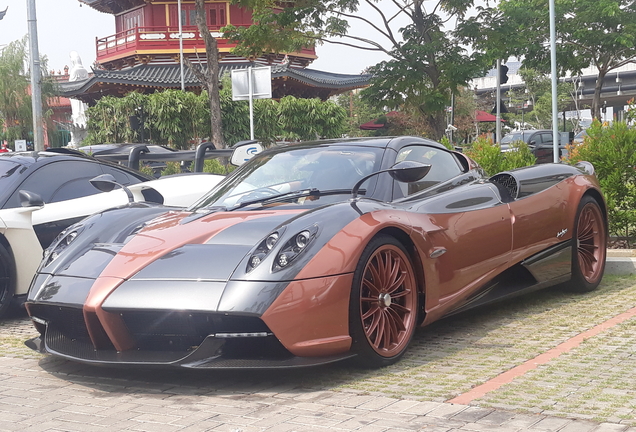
(374, 125)
(483, 116)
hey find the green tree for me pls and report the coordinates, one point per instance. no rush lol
(309, 119)
(600, 33)
(426, 63)
(209, 75)
(358, 112)
(538, 92)
(15, 99)
(612, 151)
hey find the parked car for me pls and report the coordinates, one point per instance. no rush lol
(579, 137)
(540, 143)
(60, 178)
(313, 253)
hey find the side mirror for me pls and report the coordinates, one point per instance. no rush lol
(405, 171)
(244, 151)
(30, 199)
(409, 171)
(107, 183)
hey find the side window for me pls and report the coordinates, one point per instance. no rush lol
(59, 181)
(444, 167)
(546, 138)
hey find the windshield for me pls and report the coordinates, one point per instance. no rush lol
(271, 174)
(515, 136)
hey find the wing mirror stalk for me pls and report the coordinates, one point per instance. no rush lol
(405, 172)
(107, 183)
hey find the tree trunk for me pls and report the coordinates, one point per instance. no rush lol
(210, 79)
(596, 100)
(437, 124)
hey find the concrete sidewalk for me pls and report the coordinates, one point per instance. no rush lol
(620, 262)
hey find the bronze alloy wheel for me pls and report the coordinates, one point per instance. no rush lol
(388, 300)
(590, 242)
(589, 247)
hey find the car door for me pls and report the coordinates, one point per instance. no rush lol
(543, 147)
(460, 224)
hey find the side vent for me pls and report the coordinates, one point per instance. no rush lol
(508, 183)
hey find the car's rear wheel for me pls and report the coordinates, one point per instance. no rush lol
(7, 279)
(383, 305)
(589, 246)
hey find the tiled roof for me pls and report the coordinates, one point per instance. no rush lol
(169, 76)
(112, 6)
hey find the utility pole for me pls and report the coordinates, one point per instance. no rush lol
(498, 105)
(553, 68)
(180, 45)
(36, 78)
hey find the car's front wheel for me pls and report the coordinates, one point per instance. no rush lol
(589, 246)
(7, 279)
(384, 303)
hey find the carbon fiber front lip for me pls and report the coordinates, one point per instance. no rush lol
(203, 357)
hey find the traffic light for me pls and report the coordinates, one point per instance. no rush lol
(503, 74)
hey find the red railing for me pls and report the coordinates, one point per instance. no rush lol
(158, 38)
(146, 38)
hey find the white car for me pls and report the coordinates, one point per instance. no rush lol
(61, 194)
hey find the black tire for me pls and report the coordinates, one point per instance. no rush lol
(7, 280)
(589, 247)
(383, 306)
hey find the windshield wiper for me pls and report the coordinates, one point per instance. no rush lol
(292, 195)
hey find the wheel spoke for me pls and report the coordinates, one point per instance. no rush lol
(399, 308)
(380, 332)
(373, 310)
(374, 290)
(400, 294)
(397, 319)
(397, 283)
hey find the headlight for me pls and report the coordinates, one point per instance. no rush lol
(263, 249)
(63, 240)
(294, 247)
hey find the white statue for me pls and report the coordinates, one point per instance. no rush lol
(78, 108)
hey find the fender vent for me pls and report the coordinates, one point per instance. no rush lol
(507, 182)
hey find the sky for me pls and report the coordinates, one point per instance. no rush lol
(68, 25)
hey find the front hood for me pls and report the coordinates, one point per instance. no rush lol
(148, 242)
(207, 248)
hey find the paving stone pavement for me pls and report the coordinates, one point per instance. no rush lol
(50, 395)
(42, 393)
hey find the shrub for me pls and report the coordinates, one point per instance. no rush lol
(214, 166)
(612, 151)
(490, 157)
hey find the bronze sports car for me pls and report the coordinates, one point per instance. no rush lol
(313, 253)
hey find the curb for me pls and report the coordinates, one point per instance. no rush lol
(620, 262)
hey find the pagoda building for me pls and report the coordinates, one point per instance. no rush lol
(144, 53)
